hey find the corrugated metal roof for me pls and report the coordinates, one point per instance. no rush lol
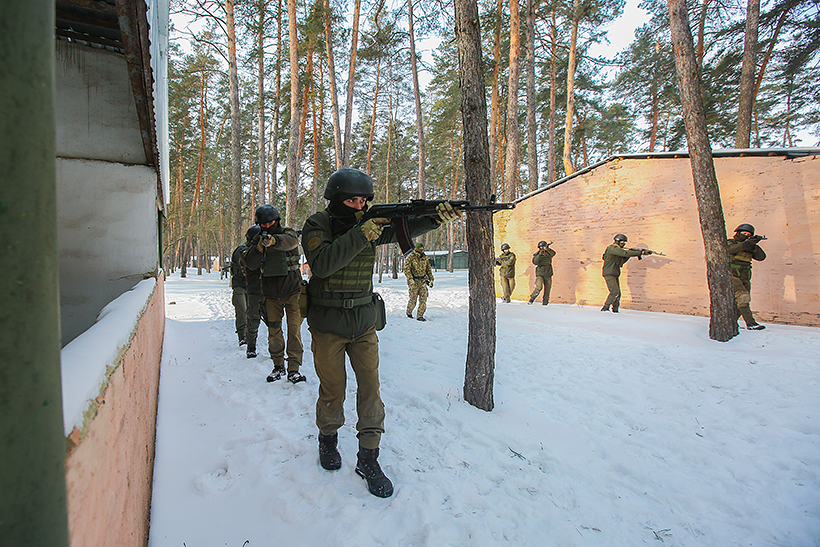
(94, 23)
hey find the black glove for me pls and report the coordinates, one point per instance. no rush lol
(749, 244)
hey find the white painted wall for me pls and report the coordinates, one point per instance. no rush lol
(96, 116)
(107, 236)
(106, 196)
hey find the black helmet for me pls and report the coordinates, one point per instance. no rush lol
(745, 228)
(348, 183)
(504, 246)
(252, 232)
(620, 237)
(266, 213)
(542, 244)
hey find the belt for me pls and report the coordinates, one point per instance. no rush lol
(344, 303)
(419, 277)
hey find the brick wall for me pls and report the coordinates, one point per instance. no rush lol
(109, 473)
(652, 201)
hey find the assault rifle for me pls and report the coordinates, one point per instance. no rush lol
(645, 252)
(400, 213)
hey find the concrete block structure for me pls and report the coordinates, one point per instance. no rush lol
(651, 199)
(111, 188)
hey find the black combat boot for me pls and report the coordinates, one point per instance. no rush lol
(368, 468)
(251, 351)
(531, 300)
(276, 374)
(329, 455)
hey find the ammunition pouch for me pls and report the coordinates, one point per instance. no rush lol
(381, 313)
(303, 299)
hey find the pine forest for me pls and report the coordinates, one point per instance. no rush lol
(267, 98)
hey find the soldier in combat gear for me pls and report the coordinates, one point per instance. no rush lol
(507, 271)
(254, 294)
(543, 272)
(419, 277)
(275, 254)
(239, 289)
(615, 257)
(342, 314)
(743, 248)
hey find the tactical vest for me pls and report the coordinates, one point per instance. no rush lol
(280, 263)
(357, 276)
(740, 263)
(744, 257)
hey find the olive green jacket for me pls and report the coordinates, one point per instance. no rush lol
(615, 257)
(330, 246)
(507, 263)
(543, 262)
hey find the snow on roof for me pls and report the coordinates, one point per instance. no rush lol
(86, 359)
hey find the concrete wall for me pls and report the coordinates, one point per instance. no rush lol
(106, 204)
(107, 236)
(652, 201)
(96, 113)
(109, 472)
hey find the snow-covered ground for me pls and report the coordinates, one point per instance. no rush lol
(610, 430)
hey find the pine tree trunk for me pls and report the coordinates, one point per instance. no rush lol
(495, 99)
(373, 117)
(277, 105)
(571, 66)
(553, 83)
(260, 103)
(532, 144)
(317, 142)
(236, 130)
(702, 32)
(351, 78)
(747, 76)
(306, 94)
(511, 166)
(334, 96)
(723, 321)
(478, 377)
(295, 120)
(200, 165)
(417, 96)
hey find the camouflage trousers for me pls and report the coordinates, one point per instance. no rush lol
(743, 299)
(275, 310)
(418, 291)
(542, 283)
(329, 359)
(239, 299)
